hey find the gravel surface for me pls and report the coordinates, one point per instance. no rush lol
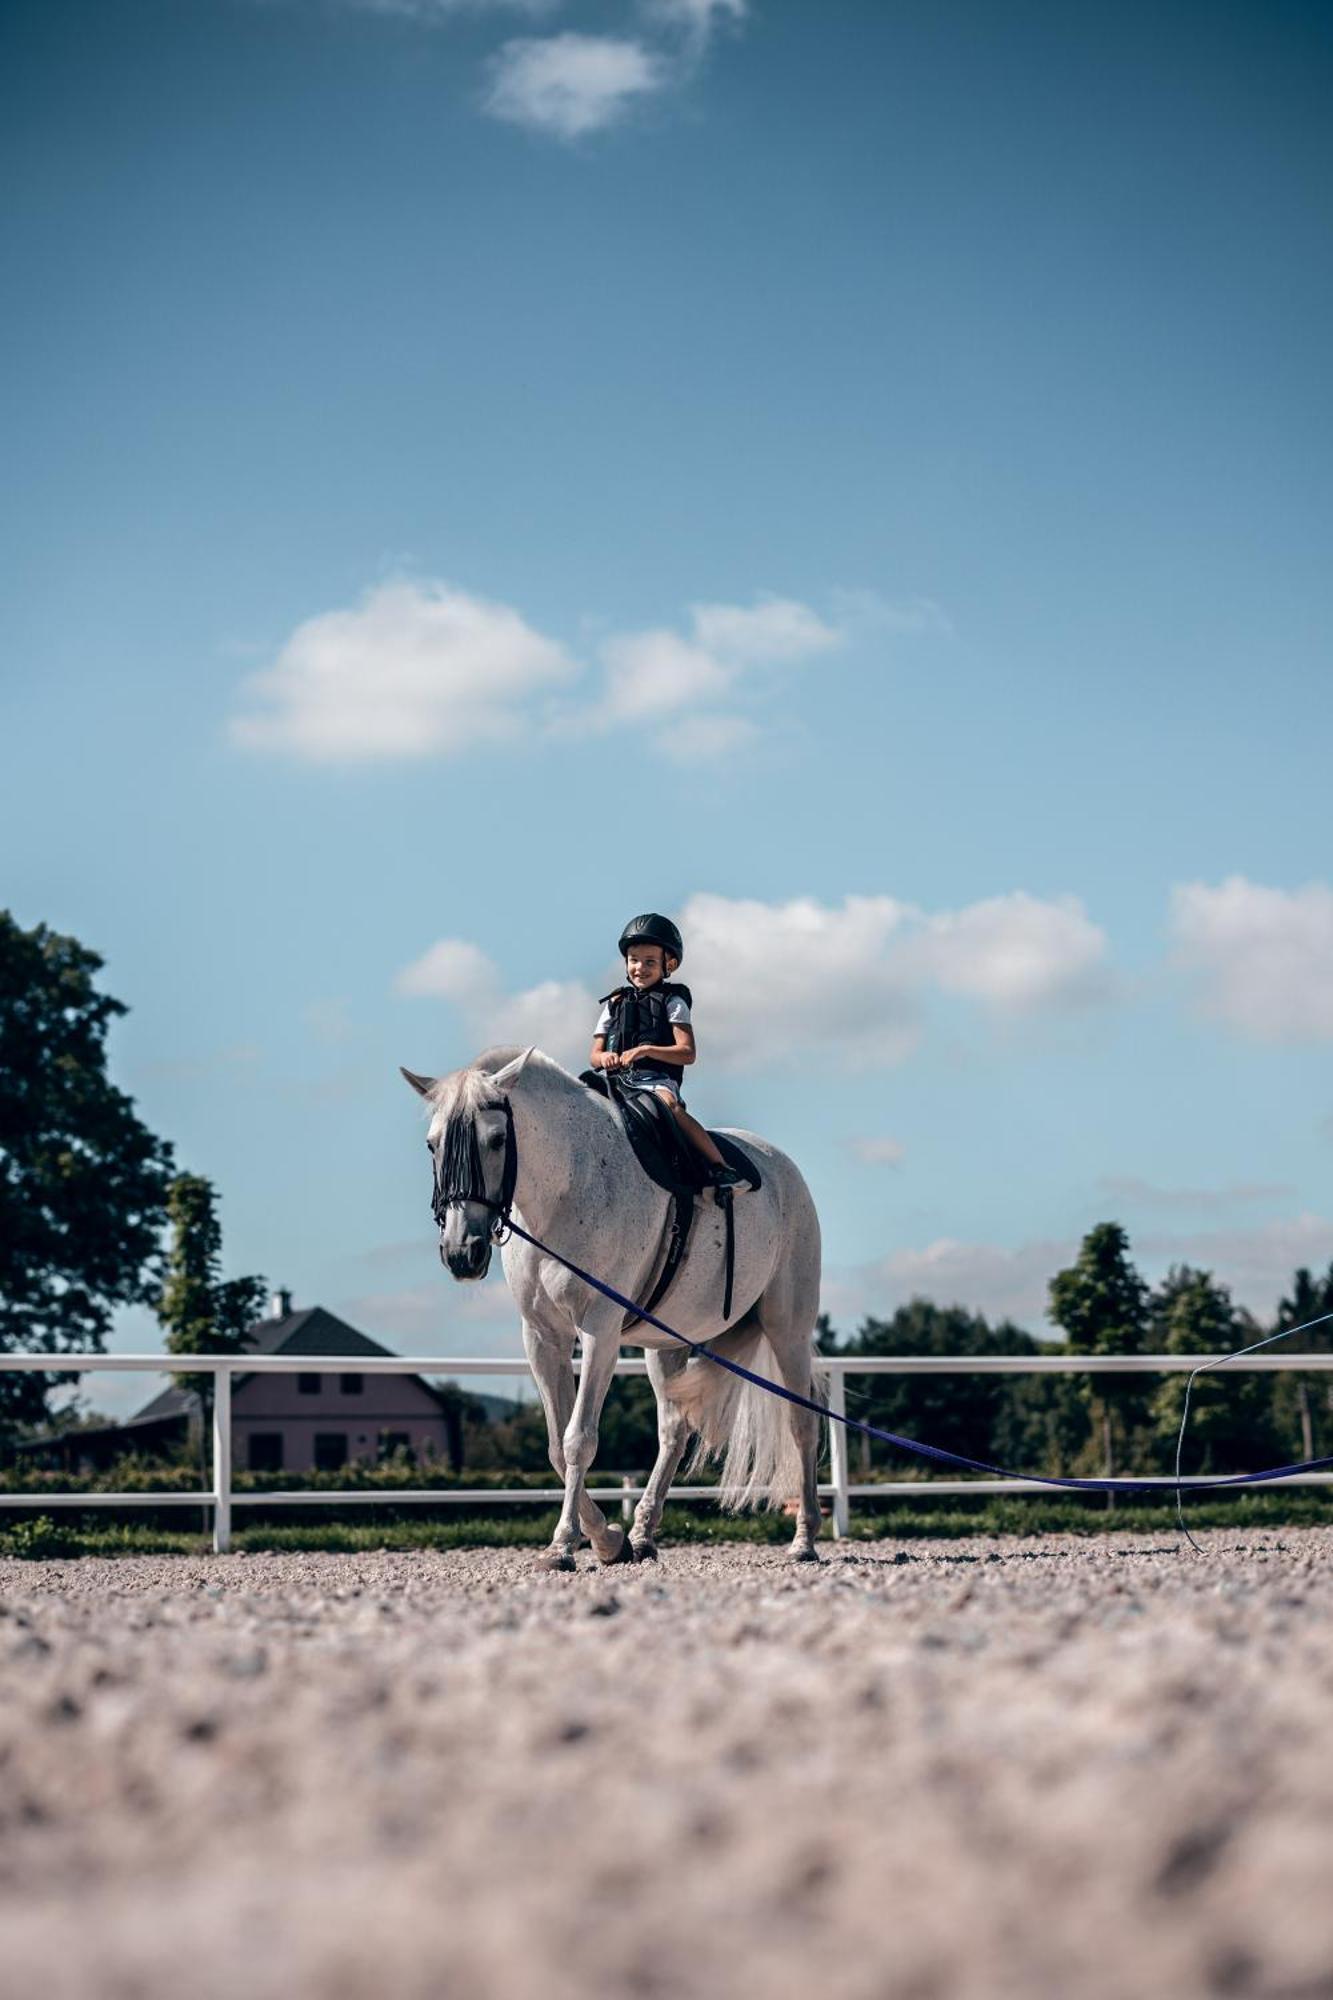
(928, 1769)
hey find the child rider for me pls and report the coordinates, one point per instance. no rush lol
(644, 1037)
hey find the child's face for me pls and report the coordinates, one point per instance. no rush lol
(645, 964)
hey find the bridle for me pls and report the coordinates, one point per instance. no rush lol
(460, 1172)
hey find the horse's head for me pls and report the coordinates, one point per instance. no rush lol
(473, 1159)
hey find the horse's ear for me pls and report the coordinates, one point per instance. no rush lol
(506, 1078)
(423, 1085)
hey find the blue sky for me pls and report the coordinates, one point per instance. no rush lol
(854, 476)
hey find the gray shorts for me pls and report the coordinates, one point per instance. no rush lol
(628, 1081)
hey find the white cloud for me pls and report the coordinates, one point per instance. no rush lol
(701, 738)
(414, 670)
(1256, 1264)
(987, 1278)
(696, 16)
(773, 628)
(557, 1015)
(849, 980)
(831, 978)
(1261, 958)
(879, 1152)
(983, 1277)
(432, 12)
(1017, 951)
(1143, 1194)
(659, 672)
(569, 85)
(649, 674)
(419, 668)
(853, 978)
(453, 969)
(865, 613)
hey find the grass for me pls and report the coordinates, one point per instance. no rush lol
(934, 1520)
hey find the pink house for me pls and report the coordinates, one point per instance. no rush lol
(310, 1420)
(317, 1421)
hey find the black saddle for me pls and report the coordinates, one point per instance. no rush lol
(661, 1148)
(666, 1156)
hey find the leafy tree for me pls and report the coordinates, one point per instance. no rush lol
(201, 1312)
(516, 1443)
(1230, 1423)
(1302, 1403)
(459, 1411)
(1101, 1303)
(978, 1416)
(1041, 1423)
(82, 1180)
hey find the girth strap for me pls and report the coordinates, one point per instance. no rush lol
(681, 1220)
(682, 1216)
(722, 1196)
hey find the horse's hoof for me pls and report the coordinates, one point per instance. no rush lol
(558, 1560)
(618, 1551)
(644, 1552)
(801, 1552)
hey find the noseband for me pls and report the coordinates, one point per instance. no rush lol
(460, 1174)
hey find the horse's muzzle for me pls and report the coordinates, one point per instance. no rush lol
(472, 1259)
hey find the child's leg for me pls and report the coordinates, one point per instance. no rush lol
(693, 1130)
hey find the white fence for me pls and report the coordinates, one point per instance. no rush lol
(839, 1489)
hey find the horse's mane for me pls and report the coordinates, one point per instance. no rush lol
(472, 1089)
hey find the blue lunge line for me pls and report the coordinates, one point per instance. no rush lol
(934, 1451)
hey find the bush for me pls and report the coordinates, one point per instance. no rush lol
(34, 1540)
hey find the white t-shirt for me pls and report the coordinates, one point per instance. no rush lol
(678, 1014)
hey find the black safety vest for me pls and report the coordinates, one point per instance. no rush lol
(639, 1020)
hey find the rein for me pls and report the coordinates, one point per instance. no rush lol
(460, 1177)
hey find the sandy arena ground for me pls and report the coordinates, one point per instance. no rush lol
(1022, 1768)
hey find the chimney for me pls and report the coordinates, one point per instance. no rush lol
(280, 1305)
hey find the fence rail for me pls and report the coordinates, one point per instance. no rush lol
(839, 1489)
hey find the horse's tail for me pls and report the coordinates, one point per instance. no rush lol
(749, 1428)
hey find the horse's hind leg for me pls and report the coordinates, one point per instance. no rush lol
(552, 1368)
(673, 1432)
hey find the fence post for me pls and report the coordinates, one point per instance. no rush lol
(837, 1452)
(626, 1505)
(221, 1461)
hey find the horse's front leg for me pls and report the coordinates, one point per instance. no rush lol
(552, 1365)
(601, 1351)
(673, 1434)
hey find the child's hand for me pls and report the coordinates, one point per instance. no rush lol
(630, 1056)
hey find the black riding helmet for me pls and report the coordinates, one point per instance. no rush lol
(652, 929)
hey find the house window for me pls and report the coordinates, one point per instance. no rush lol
(307, 1385)
(330, 1450)
(351, 1385)
(266, 1451)
(392, 1441)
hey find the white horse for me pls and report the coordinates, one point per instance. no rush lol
(574, 1182)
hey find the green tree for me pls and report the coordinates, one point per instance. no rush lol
(201, 1312)
(979, 1416)
(1101, 1304)
(1301, 1403)
(1230, 1422)
(82, 1180)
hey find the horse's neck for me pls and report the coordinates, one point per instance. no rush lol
(563, 1132)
